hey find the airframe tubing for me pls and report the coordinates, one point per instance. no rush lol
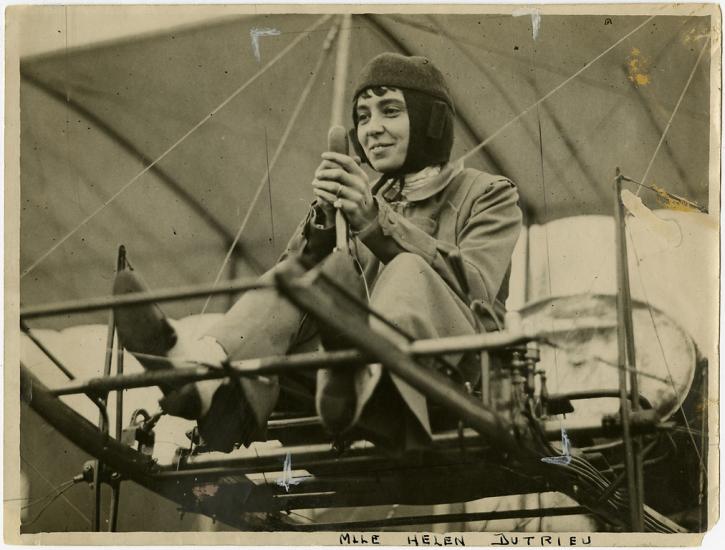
(121, 265)
(431, 383)
(80, 431)
(53, 359)
(626, 359)
(103, 424)
(307, 289)
(136, 298)
(282, 364)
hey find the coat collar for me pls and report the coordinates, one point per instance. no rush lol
(437, 180)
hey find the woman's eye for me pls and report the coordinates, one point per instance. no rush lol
(392, 111)
(362, 117)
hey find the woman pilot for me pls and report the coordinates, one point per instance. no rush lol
(434, 241)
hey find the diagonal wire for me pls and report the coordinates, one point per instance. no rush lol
(163, 155)
(674, 112)
(51, 484)
(602, 360)
(43, 348)
(637, 257)
(47, 505)
(326, 49)
(594, 279)
(558, 87)
(661, 141)
(664, 357)
(546, 215)
(44, 497)
(463, 47)
(269, 187)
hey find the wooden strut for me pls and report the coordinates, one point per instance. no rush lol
(137, 298)
(134, 465)
(311, 292)
(131, 464)
(299, 286)
(282, 364)
(103, 424)
(141, 469)
(627, 359)
(121, 264)
(81, 432)
(337, 116)
(433, 384)
(97, 401)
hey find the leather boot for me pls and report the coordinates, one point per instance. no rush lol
(145, 329)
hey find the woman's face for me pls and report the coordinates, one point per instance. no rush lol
(383, 127)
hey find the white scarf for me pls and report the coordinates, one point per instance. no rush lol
(418, 180)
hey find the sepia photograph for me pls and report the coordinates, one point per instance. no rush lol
(421, 275)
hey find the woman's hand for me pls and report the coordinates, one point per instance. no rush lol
(340, 181)
(327, 206)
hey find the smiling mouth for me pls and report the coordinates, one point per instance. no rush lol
(380, 147)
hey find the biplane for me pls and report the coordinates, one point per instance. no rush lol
(595, 386)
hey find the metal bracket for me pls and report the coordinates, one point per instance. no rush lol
(140, 433)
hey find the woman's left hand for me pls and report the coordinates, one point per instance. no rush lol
(344, 183)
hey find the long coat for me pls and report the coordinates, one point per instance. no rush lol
(464, 218)
(435, 261)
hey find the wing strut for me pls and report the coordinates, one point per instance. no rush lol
(317, 294)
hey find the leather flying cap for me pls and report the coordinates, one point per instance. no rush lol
(427, 99)
(400, 71)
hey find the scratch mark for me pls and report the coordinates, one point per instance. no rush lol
(535, 19)
(668, 231)
(696, 34)
(638, 68)
(565, 457)
(255, 33)
(287, 479)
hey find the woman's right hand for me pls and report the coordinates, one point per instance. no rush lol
(323, 201)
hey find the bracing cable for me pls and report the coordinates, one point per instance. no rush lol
(50, 494)
(61, 494)
(643, 179)
(178, 142)
(264, 181)
(55, 497)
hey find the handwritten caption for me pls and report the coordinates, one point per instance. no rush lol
(434, 539)
(541, 540)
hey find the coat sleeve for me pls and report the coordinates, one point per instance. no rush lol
(475, 266)
(311, 241)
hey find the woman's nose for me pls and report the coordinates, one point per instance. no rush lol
(374, 125)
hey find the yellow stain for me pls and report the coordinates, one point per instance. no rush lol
(641, 79)
(637, 67)
(672, 203)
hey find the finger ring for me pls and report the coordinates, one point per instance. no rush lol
(337, 203)
(339, 190)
